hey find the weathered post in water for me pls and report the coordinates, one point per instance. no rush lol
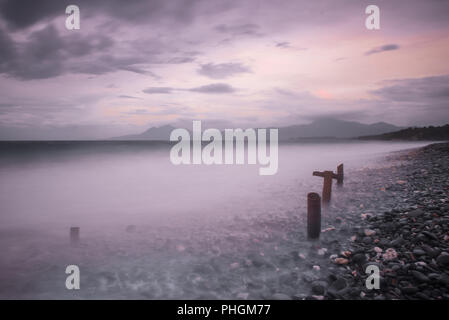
(327, 185)
(313, 215)
(340, 174)
(74, 235)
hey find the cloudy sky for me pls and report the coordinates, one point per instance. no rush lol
(139, 63)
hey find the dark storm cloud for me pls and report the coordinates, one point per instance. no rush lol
(158, 90)
(422, 91)
(421, 101)
(178, 60)
(7, 49)
(106, 63)
(39, 57)
(45, 54)
(248, 29)
(24, 13)
(6, 108)
(387, 47)
(124, 96)
(222, 70)
(288, 45)
(143, 36)
(99, 55)
(214, 88)
(283, 44)
(161, 110)
(78, 46)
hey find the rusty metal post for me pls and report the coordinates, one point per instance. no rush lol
(74, 235)
(340, 174)
(327, 185)
(313, 215)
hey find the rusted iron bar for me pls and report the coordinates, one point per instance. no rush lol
(340, 174)
(313, 215)
(327, 185)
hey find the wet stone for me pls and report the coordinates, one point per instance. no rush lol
(338, 284)
(359, 258)
(397, 242)
(420, 276)
(416, 213)
(418, 252)
(319, 287)
(443, 259)
(367, 240)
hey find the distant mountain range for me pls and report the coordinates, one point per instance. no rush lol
(322, 128)
(333, 128)
(154, 133)
(414, 134)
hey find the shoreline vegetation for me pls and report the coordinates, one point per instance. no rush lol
(414, 134)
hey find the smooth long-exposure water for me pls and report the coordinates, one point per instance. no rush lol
(197, 231)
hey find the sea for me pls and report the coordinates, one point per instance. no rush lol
(150, 229)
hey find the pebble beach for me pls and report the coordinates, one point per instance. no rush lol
(401, 226)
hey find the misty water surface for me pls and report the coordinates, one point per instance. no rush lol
(105, 187)
(123, 186)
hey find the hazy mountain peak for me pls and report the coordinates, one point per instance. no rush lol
(161, 133)
(330, 127)
(166, 127)
(319, 128)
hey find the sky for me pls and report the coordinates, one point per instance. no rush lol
(139, 64)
